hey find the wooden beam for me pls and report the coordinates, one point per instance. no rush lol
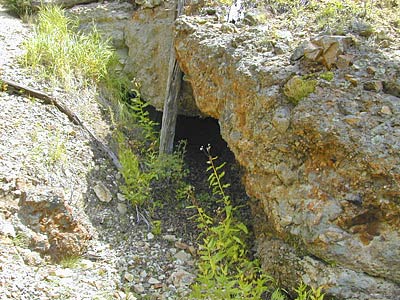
(170, 111)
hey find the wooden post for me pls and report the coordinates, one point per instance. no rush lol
(170, 112)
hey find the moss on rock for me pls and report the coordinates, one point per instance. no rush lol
(298, 88)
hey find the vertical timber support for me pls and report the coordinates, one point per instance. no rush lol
(170, 112)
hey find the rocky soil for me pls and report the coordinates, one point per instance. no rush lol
(59, 201)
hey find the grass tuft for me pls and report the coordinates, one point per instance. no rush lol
(60, 52)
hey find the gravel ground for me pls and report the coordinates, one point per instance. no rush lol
(42, 148)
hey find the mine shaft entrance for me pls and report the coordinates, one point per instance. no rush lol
(200, 132)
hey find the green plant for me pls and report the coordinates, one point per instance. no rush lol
(136, 187)
(57, 151)
(21, 8)
(21, 240)
(61, 53)
(171, 173)
(305, 293)
(71, 261)
(328, 76)
(336, 15)
(278, 295)
(156, 227)
(225, 271)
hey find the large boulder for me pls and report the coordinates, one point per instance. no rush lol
(325, 167)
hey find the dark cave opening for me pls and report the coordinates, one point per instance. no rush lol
(197, 132)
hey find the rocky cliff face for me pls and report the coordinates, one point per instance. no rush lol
(316, 128)
(320, 149)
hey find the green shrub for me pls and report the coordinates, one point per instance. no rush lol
(61, 53)
(136, 186)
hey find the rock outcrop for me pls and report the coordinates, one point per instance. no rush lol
(142, 34)
(325, 168)
(149, 36)
(50, 223)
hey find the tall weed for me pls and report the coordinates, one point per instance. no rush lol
(225, 271)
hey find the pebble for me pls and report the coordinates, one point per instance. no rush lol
(102, 192)
(169, 237)
(128, 277)
(122, 208)
(153, 281)
(183, 256)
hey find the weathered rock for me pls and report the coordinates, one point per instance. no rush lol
(148, 3)
(373, 86)
(326, 171)
(54, 229)
(324, 49)
(182, 278)
(149, 39)
(392, 87)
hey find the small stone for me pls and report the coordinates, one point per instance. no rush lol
(352, 120)
(386, 110)
(192, 250)
(130, 296)
(373, 86)
(392, 88)
(128, 277)
(181, 245)
(158, 286)
(281, 48)
(169, 237)
(344, 61)
(153, 280)
(182, 278)
(143, 274)
(120, 295)
(86, 264)
(121, 197)
(371, 70)
(122, 208)
(102, 192)
(183, 256)
(351, 79)
(6, 228)
(150, 236)
(138, 288)
(62, 273)
(281, 119)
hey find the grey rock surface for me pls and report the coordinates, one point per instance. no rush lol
(149, 37)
